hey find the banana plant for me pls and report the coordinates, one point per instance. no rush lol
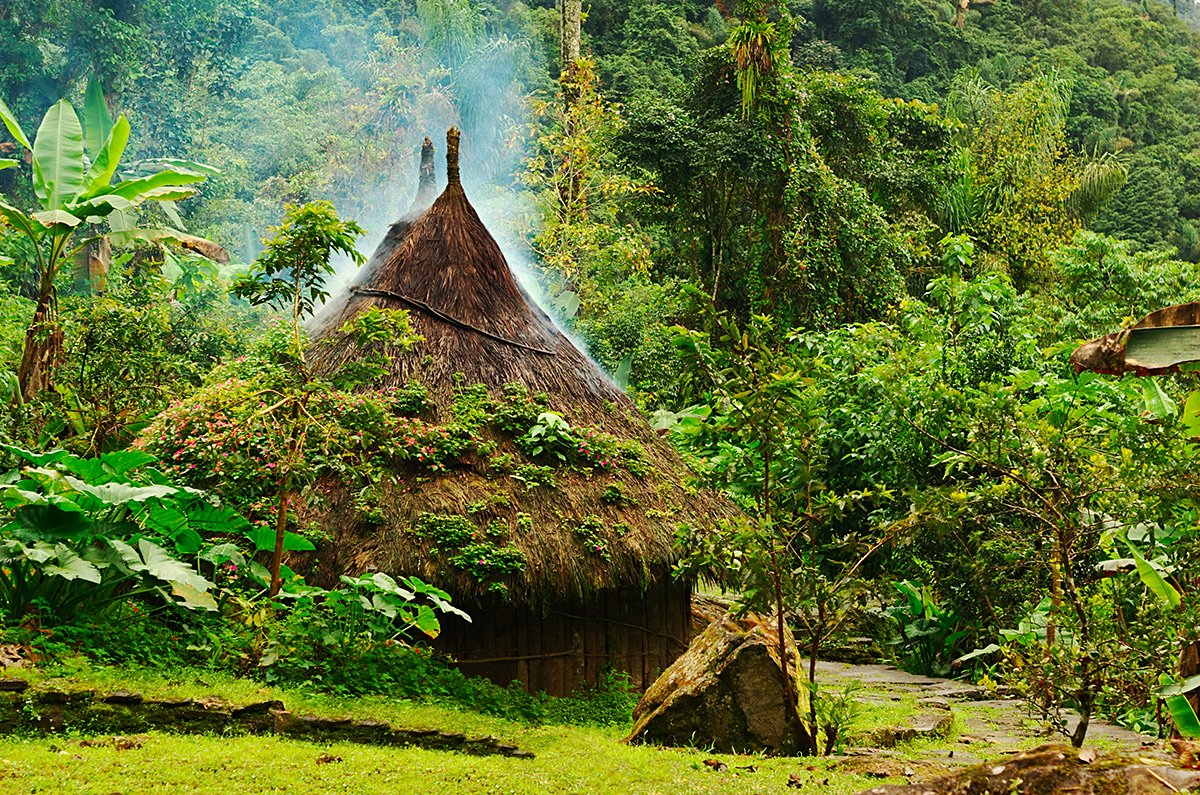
(73, 179)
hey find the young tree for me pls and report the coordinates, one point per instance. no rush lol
(290, 276)
(761, 434)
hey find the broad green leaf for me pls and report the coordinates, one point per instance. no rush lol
(1179, 688)
(107, 158)
(63, 520)
(167, 194)
(224, 553)
(192, 598)
(1184, 716)
(97, 121)
(568, 304)
(122, 225)
(162, 519)
(134, 189)
(49, 218)
(72, 567)
(1155, 402)
(624, 371)
(1191, 414)
(386, 584)
(1153, 580)
(446, 607)
(991, 648)
(127, 554)
(208, 518)
(8, 162)
(58, 156)
(173, 524)
(124, 461)
(263, 539)
(18, 220)
(160, 564)
(120, 493)
(427, 621)
(161, 163)
(100, 206)
(172, 213)
(417, 585)
(14, 129)
(37, 459)
(260, 573)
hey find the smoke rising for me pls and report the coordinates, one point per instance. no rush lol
(479, 82)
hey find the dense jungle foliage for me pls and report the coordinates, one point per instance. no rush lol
(839, 252)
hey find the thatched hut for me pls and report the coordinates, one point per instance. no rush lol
(591, 542)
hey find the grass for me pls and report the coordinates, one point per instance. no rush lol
(569, 759)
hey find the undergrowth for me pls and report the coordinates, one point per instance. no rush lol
(200, 645)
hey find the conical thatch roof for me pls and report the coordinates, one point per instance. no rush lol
(444, 266)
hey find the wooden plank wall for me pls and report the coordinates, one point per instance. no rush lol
(565, 646)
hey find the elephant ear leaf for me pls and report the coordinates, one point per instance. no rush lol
(427, 621)
(161, 565)
(191, 598)
(72, 567)
(263, 539)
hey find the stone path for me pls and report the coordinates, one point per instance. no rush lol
(985, 727)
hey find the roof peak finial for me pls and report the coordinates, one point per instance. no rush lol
(452, 136)
(427, 184)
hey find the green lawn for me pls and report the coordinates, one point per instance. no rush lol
(568, 759)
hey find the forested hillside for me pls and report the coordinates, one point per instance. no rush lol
(837, 252)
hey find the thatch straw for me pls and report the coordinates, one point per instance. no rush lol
(446, 268)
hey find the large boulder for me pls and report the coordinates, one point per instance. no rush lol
(725, 692)
(1054, 769)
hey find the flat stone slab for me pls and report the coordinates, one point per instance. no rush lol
(920, 727)
(126, 712)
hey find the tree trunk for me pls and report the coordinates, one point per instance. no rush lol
(281, 517)
(43, 348)
(570, 27)
(1189, 666)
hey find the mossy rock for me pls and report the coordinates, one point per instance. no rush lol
(1053, 769)
(725, 692)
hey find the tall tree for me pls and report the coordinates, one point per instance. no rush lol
(570, 28)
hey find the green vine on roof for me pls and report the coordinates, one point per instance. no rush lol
(594, 535)
(481, 553)
(381, 443)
